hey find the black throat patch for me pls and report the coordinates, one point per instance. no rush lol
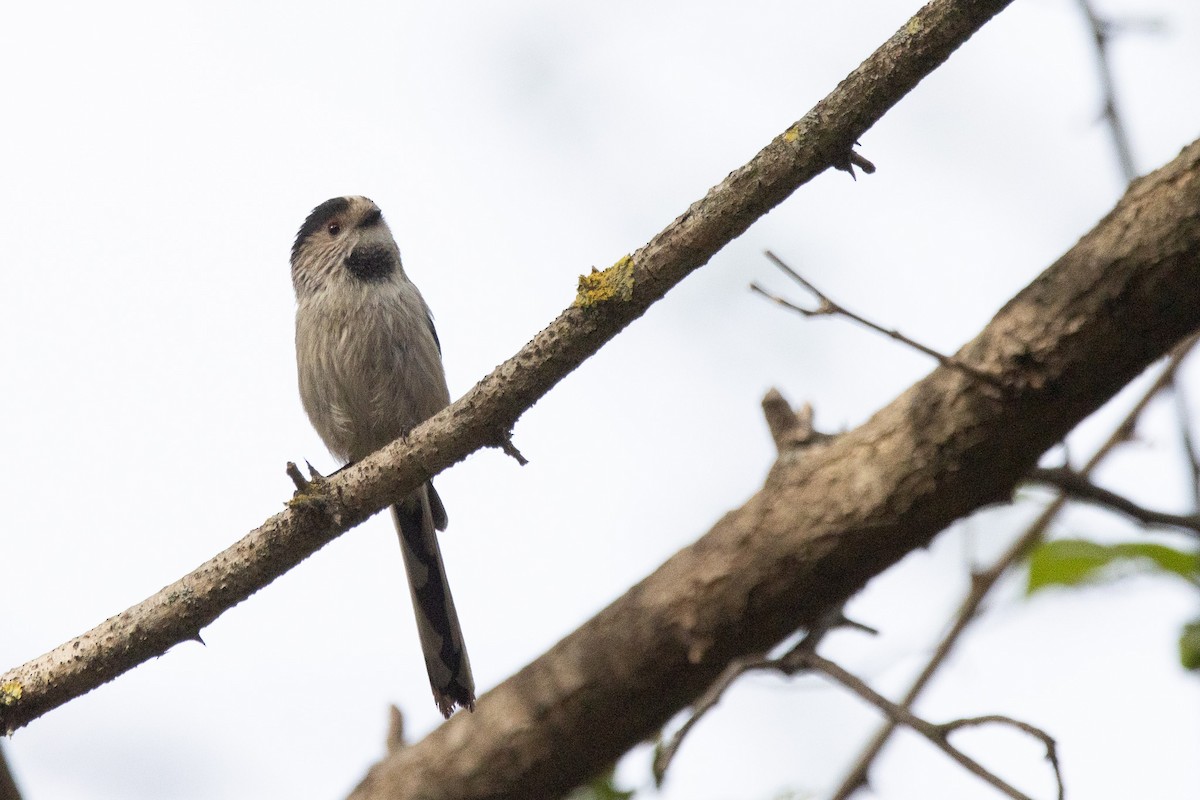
(372, 262)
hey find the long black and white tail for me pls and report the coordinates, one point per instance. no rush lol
(418, 519)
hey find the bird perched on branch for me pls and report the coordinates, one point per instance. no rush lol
(370, 369)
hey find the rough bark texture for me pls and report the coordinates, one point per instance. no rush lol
(608, 302)
(831, 517)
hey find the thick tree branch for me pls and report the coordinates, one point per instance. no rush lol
(984, 581)
(607, 302)
(830, 518)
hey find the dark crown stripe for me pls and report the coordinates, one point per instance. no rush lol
(318, 219)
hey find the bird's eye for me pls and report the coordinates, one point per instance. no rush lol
(335, 228)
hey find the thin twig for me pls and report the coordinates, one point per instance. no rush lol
(1046, 739)
(509, 449)
(297, 477)
(735, 669)
(665, 752)
(983, 582)
(937, 735)
(826, 306)
(1187, 439)
(1101, 31)
(1078, 487)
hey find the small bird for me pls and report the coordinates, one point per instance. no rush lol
(370, 370)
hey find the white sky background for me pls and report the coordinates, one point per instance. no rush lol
(157, 161)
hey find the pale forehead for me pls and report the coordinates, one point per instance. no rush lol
(347, 209)
(360, 205)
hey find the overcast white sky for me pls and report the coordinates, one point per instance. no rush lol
(157, 161)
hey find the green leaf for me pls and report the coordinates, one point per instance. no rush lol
(1073, 562)
(1184, 563)
(1189, 645)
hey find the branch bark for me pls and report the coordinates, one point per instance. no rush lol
(983, 581)
(830, 518)
(607, 302)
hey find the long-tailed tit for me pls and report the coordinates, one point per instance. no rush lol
(370, 370)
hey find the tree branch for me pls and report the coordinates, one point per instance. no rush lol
(803, 657)
(607, 302)
(1187, 440)
(830, 518)
(827, 306)
(666, 751)
(1101, 31)
(1078, 486)
(937, 735)
(984, 581)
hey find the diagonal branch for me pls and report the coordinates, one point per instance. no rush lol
(1101, 30)
(607, 302)
(1078, 486)
(937, 735)
(829, 307)
(830, 518)
(789, 664)
(984, 581)
(1187, 440)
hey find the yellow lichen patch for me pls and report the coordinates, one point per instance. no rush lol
(306, 501)
(10, 693)
(791, 135)
(614, 283)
